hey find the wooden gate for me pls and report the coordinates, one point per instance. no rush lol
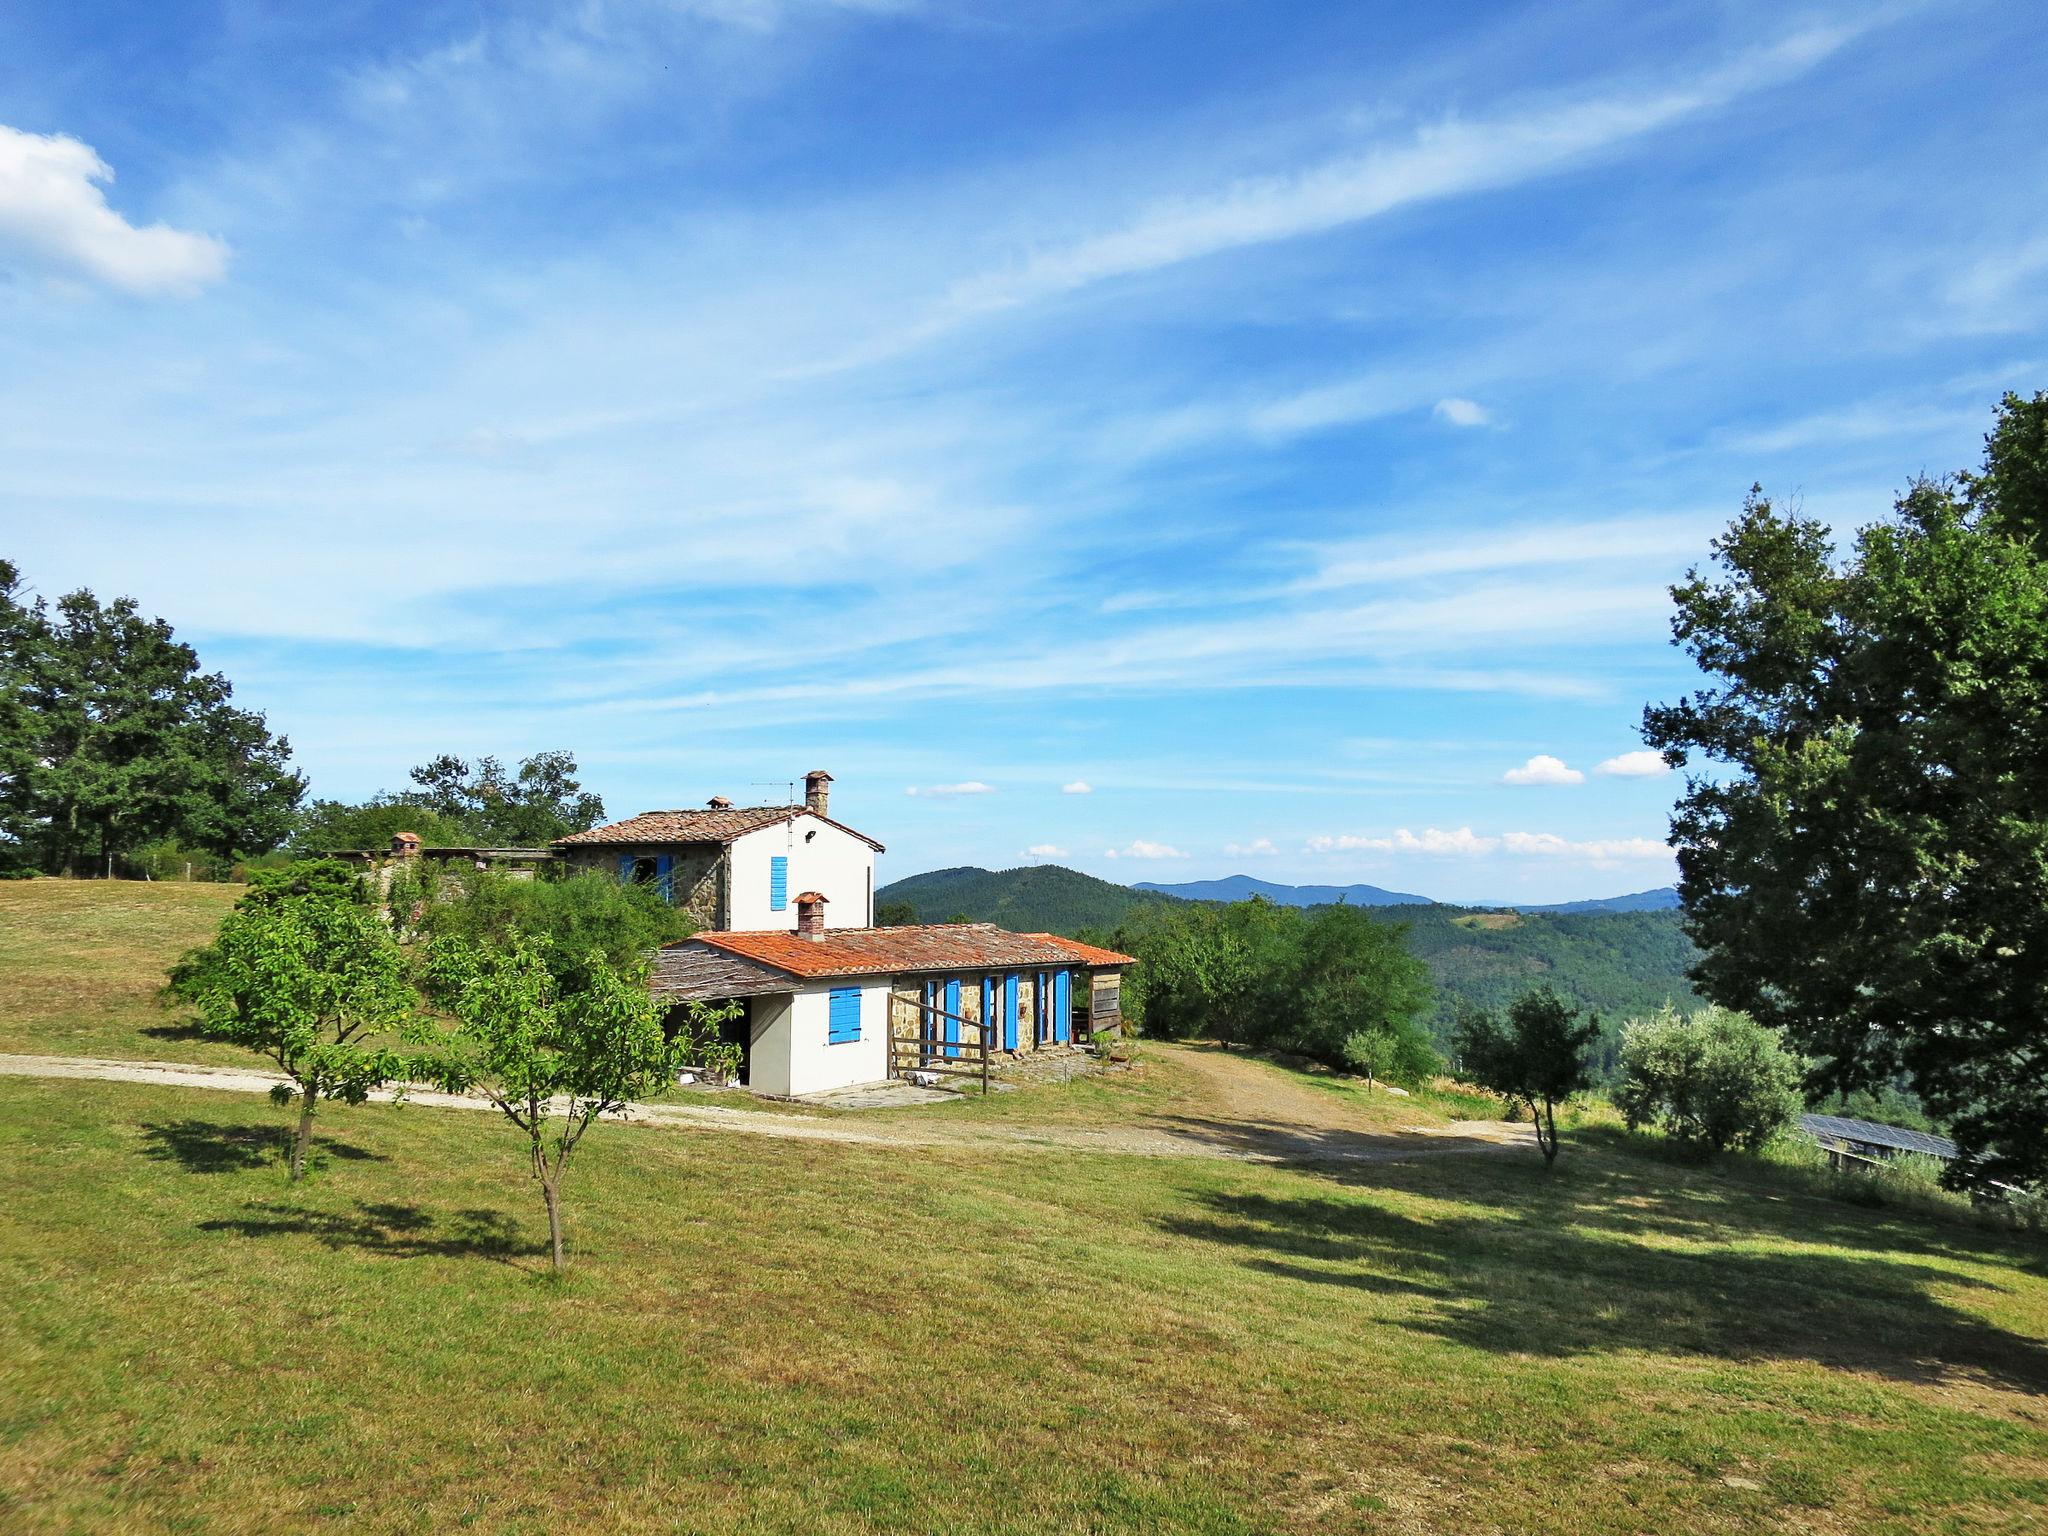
(930, 1051)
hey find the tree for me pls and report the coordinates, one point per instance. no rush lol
(895, 914)
(529, 807)
(303, 972)
(568, 920)
(1354, 977)
(111, 737)
(554, 1060)
(1536, 1055)
(1715, 1079)
(1867, 868)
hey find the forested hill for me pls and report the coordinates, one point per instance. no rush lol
(1619, 963)
(1039, 898)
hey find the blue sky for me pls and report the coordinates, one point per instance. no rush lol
(1170, 439)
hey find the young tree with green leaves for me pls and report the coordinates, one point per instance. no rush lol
(1866, 868)
(554, 1059)
(1537, 1055)
(1713, 1079)
(111, 737)
(305, 973)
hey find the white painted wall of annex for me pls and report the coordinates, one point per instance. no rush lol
(792, 1053)
(821, 858)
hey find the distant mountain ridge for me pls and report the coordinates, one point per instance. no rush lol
(1244, 887)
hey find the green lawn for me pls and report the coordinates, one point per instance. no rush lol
(794, 1337)
(763, 1335)
(81, 962)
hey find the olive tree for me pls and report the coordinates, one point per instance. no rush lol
(306, 974)
(556, 1056)
(1536, 1055)
(1715, 1079)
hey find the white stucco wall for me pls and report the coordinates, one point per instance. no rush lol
(821, 858)
(791, 1053)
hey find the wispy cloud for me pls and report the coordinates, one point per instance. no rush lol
(1257, 848)
(950, 791)
(1462, 413)
(1077, 787)
(54, 217)
(1463, 842)
(1445, 159)
(1141, 849)
(1046, 851)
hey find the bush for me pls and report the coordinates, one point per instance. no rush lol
(1713, 1079)
(566, 920)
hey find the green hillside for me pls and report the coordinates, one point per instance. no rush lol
(1039, 898)
(1620, 964)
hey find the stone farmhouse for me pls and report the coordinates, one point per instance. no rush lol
(785, 901)
(786, 897)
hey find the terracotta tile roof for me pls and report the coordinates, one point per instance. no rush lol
(1092, 954)
(886, 951)
(705, 826)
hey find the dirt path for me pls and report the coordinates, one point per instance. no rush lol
(1261, 1131)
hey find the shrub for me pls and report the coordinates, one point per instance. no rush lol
(1714, 1079)
(566, 920)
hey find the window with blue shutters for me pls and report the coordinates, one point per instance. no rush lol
(778, 883)
(842, 1024)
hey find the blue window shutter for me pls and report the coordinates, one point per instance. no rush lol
(664, 876)
(626, 868)
(1062, 1006)
(1010, 1012)
(842, 1025)
(988, 1006)
(778, 883)
(952, 1006)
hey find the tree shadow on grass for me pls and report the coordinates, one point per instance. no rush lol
(1313, 1145)
(205, 1146)
(186, 1030)
(401, 1231)
(1601, 1260)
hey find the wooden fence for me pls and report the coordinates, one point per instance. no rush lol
(929, 1050)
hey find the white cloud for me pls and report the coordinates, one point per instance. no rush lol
(1078, 787)
(1258, 848)
(1462, 413)
(1543, 769)
(1046, 851)
(946, 791)
(54, 212)
(1463, 842)
(1646, 764)
(1140, 849)
(1548, 845)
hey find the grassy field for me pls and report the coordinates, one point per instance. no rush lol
(774, 1336)
(81, 962)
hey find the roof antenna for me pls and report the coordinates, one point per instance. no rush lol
(787, 786)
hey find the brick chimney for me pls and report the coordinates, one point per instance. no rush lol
(810, 915)
(817, 791)
(405, 845)
(718, 803)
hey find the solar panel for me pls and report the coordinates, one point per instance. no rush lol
(1869, 1132)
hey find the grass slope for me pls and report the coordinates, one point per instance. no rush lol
(773, 1336)
(81, 962)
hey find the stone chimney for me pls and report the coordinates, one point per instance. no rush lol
(810, 915)
(817, 791)
(718, 803)
(405, 845)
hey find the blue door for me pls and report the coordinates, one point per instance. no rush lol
(665, 877)
(952, 1007)
(1062, 1006)
(1010, 1012)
